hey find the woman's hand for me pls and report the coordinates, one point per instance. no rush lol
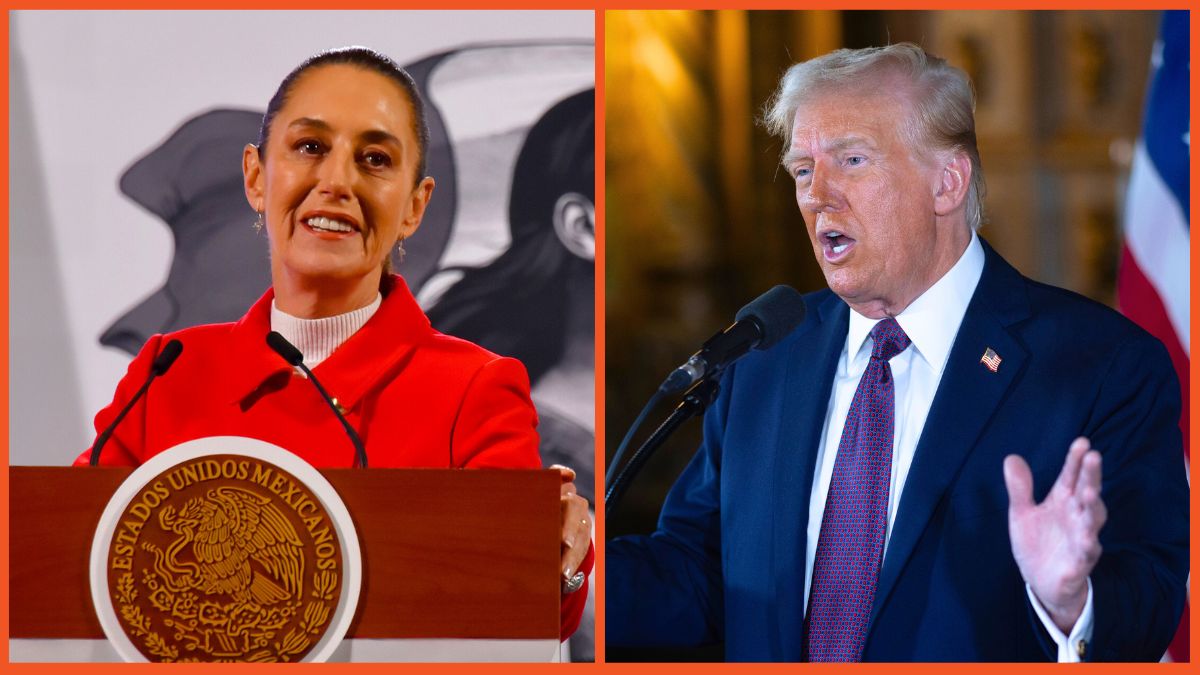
(576, 525)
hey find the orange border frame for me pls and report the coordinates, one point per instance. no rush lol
(599, 6)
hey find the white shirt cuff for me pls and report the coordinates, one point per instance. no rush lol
(1074, 647)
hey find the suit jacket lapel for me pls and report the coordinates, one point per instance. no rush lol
(966, 400)
(811, 365)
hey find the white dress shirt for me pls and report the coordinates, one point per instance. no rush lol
(931, 323)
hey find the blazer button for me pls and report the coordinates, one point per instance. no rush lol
(1081, 649)
(340, 409)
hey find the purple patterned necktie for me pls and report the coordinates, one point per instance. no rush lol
(850, 549)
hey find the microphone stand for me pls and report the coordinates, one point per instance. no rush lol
(694, 403)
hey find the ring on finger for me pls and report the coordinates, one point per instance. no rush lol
(574, 583)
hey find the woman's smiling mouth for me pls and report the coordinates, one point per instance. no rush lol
(330, 227)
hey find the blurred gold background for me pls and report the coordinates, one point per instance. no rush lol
(700, 220)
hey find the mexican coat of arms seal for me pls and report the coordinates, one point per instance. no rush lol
(225, 556)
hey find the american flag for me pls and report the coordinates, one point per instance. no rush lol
(1153, 281)
(991, 359)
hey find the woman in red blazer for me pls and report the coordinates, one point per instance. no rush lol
(338, 179)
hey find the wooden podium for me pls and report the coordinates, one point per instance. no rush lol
(446, 553)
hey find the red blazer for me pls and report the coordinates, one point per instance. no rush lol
(416, 397)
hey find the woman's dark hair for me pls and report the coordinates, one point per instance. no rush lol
(367, 59)
(517, 305)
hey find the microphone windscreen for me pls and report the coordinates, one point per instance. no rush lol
(282, 347)
(777, 312)
(166, 357)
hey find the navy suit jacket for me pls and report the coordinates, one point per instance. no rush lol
(727, 561)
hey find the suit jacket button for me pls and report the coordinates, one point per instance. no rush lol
(1081, 649)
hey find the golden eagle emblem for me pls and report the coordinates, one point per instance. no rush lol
(223, 561)
(241, 545)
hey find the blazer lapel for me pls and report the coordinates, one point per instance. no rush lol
(966, 400)
(375, 352)
(811, 365)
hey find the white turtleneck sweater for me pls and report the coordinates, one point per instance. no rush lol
(317, 338)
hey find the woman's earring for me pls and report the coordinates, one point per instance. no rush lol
(258, 223)
(400, 249)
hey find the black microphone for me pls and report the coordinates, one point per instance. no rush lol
(288, 351)
(162, 362)
(759, 325)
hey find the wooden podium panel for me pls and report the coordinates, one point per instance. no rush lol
(52, 516)
(447, 553)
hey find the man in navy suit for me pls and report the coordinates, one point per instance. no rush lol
(947, 461)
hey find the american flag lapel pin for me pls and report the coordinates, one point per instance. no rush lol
(990, 359)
